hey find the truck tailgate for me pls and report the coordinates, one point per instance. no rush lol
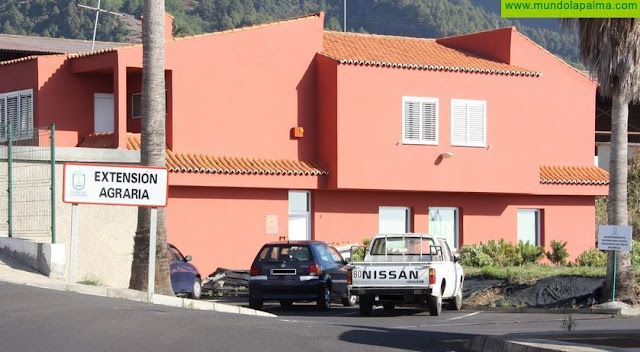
(388, 274)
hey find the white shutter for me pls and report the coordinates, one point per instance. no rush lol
(26, 115)
(419, 120)
(429, 131)
(469, 123)
(477, 124)
(12, 112)
(458, 123)
(411, 121)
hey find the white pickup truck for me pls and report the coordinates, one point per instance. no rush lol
(407, 269)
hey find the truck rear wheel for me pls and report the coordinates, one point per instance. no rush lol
(366, 305)
(434, 304)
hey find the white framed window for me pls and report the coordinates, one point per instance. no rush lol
(299, 215)
(136, 104)
(468, 123)
(394, 220)
(419, 120)
(529, 226)
(444, 222)
(16, 108)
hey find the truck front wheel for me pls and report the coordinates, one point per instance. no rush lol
(366, 305)
(434, 304)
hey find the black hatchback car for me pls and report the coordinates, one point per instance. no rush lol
(298, 271)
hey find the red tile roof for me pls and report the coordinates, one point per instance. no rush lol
(573, 175)
(202, 163)
(107, 140)
(413, 53)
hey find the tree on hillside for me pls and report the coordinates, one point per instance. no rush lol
(610, 50)
(153, 147)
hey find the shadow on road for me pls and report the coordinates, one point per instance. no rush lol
(411, 340)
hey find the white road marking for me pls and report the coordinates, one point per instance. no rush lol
(464, 316)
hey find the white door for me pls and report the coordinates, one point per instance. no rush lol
(103, 113)
(299, 215)
(299, 228)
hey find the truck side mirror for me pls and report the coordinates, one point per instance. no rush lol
(456, 258)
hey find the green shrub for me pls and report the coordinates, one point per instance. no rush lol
(592, 257)
(501, 253)
(528, 253)
(358, 253)
(558, 253)
(635, 253)
(472, 255)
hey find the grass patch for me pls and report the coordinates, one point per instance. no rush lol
(530, 272)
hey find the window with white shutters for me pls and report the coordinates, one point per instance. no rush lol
(419, 120)
(16, 109)
(469, 123)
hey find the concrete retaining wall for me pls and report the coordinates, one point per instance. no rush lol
(105, 233)
(47, 258)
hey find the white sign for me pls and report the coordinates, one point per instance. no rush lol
(614, 238)
(114, 185)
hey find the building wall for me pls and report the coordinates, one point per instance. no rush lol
(243, 92)
(223, 227)
(529, 121)
(19, 76)
(352, 216)
(66, 99)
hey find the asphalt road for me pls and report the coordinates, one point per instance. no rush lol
(33, 319)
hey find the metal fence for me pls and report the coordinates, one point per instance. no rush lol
(27, 184)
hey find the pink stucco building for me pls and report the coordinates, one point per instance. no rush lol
(286, 130)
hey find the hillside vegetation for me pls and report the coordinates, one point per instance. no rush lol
(415, 18)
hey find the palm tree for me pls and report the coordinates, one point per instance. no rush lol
(152, 151)
(610, 48)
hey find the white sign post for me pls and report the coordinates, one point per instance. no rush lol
(115, 185)
(614, 238)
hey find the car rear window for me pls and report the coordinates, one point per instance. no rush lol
(279, 253)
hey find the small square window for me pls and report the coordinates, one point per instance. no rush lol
(136, 105)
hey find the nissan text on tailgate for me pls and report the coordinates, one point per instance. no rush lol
(407, 269)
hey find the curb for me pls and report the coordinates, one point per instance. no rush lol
(139, 296)
(623, 312)
(499, 344)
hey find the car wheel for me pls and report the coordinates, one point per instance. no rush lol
(255, 304)
(324, 301)
(434, 304)
(366, 305)
(196, 293)
(286, 303)
(456, 302)
(349, 301)
(388, 306)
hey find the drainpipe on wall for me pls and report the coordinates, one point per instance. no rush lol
(52, 142)
(9, 178)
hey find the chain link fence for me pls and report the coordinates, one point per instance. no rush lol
(27, 184)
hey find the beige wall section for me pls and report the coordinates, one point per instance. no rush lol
(105, 239)
(105, 233)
